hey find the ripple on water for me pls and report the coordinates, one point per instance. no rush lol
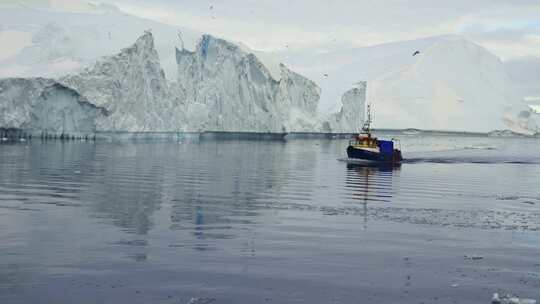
(251, 210)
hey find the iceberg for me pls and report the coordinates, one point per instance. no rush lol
(351, 112)
(238, 93)
(437, 83)
(132, 87)
(522, 119)
(220, 87)
(44, 107)
(51, 42)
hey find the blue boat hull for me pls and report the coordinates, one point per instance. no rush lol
(362, 154)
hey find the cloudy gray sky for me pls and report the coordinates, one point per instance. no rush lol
(510, 29)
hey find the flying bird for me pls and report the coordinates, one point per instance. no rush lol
(416, 53)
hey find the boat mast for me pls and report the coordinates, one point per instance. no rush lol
(367, 124)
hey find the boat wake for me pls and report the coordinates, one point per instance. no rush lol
(477, 154)
(447, 160)
(470, 160)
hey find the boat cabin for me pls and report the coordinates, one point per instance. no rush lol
(364, 141)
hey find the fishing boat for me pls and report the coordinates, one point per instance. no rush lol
(364, 147)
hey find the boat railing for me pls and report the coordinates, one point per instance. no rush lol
(398, 142)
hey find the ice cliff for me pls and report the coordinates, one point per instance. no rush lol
(43, 106)
(132, 87)
(220, 87)
(352, 106)
(238, 93)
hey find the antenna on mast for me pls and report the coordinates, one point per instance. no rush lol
(367, 124)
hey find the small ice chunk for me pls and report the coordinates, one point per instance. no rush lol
(201, 300)
(513, 300)
(507, 197)
(510, 299)
(473, 257)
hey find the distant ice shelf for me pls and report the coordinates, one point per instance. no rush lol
(437, 83)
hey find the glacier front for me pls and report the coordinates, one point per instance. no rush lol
(45, 107)
(237, 92)
(132, 87)
(220, 87)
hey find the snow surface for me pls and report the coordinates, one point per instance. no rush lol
(60, 5)
(64, 42)
(42, 34)
(451, 84)
(12, 42)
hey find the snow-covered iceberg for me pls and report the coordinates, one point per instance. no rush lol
(132, 87)
(45, 107)
(220, 87)
(522, 119)
(347, 119)
(436, 83)
(40, 39)
(237, 92)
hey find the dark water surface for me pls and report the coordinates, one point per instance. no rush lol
(268, 222)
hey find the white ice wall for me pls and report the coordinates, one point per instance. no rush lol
(220, 87)
(237, 92)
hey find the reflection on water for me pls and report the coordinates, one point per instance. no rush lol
(371, 183)
(207, 190)
(69, 209)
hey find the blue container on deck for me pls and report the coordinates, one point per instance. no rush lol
(386, 146)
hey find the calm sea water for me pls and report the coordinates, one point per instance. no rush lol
(269, 222)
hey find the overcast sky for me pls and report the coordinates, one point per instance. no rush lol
(510, 29)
